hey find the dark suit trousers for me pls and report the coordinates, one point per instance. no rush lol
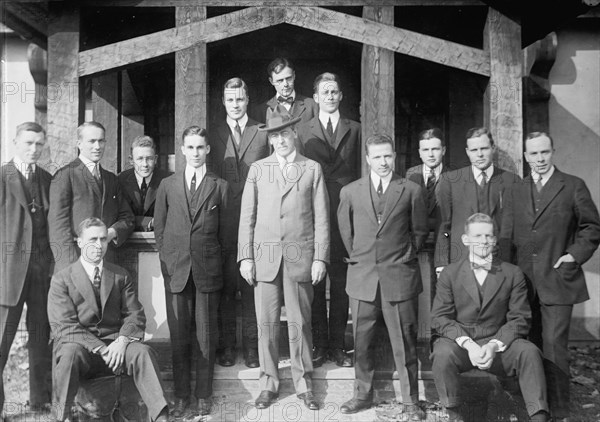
(74, 362)
(401, 321)
(192, 319)
(234, 282)
(550, 326)
(522, 359)
(35, 294)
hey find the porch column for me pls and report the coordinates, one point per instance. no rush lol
(105, 110)
(503, 103)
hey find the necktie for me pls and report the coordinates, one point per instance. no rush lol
(237, 133)
(538, 184)
(288, 100)
(143, 191)
(330, 128)
(380, 188)
(430, 188)
(96, 284)
(483, 179)
(29, 172)
(193, 184)
(96, 172)
(485, 266)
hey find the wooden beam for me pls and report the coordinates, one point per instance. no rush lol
(377, 76)
(276, 3)
(179, 38)
(28, 21)
(385, 36)
(190, 81)
(105, 110)
(503, 103)
(63, 83)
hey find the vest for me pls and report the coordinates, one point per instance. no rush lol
(483, 197)
(377, 201)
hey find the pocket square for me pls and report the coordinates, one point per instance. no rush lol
(213, 207)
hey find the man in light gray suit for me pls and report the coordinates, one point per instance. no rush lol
(283, 247)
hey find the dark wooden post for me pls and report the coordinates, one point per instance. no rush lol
(190, 81)
(105, 110)
(377, 99)
(63, 82)
(503, 104)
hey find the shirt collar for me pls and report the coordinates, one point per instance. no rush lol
(385, 181)
(139, 179)
(293, 96)
(477, 173)
(436, 171)
(480, 261)
(190, 171)
(89, 163)
(545, 177)
(89, 268)
(284, 160)
(21, 166)
(242, 122)
(324, 118)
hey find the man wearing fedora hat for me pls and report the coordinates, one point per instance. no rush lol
(283, 249)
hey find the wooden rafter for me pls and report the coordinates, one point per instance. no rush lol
(259, 3)
(176, 39)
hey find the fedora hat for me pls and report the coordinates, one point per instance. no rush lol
(278, 119)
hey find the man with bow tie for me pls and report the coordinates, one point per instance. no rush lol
(554, 224)
(282, 75)
(481, 319)
(82, 189)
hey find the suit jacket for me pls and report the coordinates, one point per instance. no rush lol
(434, 214)
(341, 165)
(75, 196)
(567, 222)
(303, 107)
(284, 221)
(74, 315)
(16, 229)
(458, 201)
(383, 254)
(131, 191)
(503, 314)
(233, 166)
(191, 243)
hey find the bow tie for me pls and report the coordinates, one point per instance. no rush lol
(289, 100)
(486, 266)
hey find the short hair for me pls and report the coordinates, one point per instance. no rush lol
(379, 139)
(87, 223)
(431, 133)
(235, 83)
(144, 141)
(278, 65)
(326, 77)
(475, 132)
(532, 135)
(84, 125)
(478, 218)
(195, 130)
(30, 127)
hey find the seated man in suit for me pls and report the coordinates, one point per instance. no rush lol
(283, 246)
(98, 326)
(382, 222)
(139, 183)
(282, 75)
(482, 317)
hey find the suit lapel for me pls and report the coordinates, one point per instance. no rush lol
(206, 187)
(181, 191)
(493, 282)
(523, 197)
(297, 173)
(151, 192)
(106, 285)
(91, 180)
(45, 180)
(247, 137)
(16, 186)
(467, 279)
(224, 135)
(553, 186)
(365, 189)
(298, 107)
(84, 286)
(134, 189)
(342, 130)
(394, 192)
(469, 190)
(496, 189)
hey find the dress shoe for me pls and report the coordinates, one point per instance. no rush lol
(340, 358)
(309, 400)
(204, 406)
(319, 356)
(252, 358)
(227, 357)
(163, 416)
(413, 412)
(265, 399)
(179, 407)
(355, 406)
(541, 416)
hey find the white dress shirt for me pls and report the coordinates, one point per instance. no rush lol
(477, 173)
(385, 181)
(189, 173)
(324, 119)
(22, 166)
(545, 177)
(242, 121)
(89, 268)
(140, 179)
(436, 172)
(89, 164)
